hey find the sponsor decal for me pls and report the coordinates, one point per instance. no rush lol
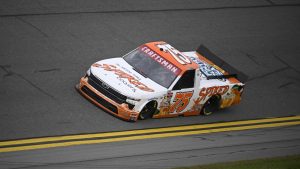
(166, 100)
(180, 102)
(96, 65)
(177, 55)
(210, 91)
(203, 95)
(162, 61)
(127, 84)
(165, 103)
(123, 75)
(128, 71)
(233, 98)
(205, 68)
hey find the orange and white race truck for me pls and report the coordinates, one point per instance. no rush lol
(155, 80)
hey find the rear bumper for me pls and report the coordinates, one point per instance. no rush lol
(120, 110)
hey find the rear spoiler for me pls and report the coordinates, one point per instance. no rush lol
(232, 72)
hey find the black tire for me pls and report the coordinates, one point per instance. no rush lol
(211, 105)
(148, 110)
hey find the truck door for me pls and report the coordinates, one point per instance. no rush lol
(182, 93)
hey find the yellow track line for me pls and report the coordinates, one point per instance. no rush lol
(151, 136)
(145, 131)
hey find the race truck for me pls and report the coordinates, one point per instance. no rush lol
(156, 80)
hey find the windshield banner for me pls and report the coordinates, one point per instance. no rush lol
(162, 61)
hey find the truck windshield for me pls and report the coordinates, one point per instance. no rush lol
(151, 65)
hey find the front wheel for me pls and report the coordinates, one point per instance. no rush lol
(211, 105)
(148, 110)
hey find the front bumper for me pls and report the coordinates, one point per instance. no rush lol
(120, 110)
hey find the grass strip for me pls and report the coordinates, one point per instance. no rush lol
(287, 162)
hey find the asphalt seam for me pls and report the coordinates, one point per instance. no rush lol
(6, 68)
(271, 2)
(153, 10)
(32, 25)
(268, 74)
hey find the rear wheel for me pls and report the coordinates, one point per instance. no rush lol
(148, 110)
(212, 105)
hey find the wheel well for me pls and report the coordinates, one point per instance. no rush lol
(152, 103)
(145, 113)
(215, 99)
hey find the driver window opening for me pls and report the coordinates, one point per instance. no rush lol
(186, 81)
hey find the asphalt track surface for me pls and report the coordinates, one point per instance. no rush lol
(46, 46)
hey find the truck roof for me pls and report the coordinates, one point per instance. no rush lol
(172, 55)
(209, 64)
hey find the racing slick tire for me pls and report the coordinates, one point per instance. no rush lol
(148, 111)
(211, 105)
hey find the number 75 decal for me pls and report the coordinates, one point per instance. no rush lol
(181, 58)
(181, 100)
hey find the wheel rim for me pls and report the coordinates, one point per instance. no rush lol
(208, 109)
(206, 113)
(145, 114)
(211, 106)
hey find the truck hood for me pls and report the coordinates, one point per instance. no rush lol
(122, 77)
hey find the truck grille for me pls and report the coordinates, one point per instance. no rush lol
(99, 99)
(106, 90)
